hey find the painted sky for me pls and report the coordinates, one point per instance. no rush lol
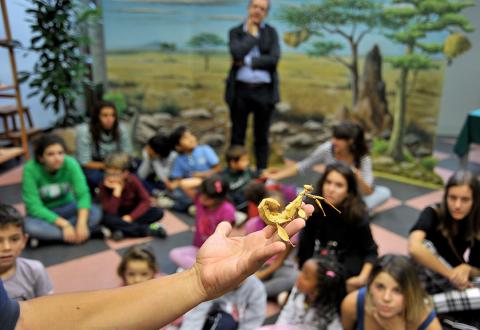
(137, 24)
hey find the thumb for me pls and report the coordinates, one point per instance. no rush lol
(224, 228)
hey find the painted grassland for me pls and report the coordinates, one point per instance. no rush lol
(314, 87)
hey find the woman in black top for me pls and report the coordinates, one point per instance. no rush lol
(441, 240)
(347, 234)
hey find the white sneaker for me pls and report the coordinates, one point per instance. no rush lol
(34, 243)
(240, 218)
(165, 202)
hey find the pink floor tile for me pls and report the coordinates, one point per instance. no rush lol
(127, 242)
(172, 224)
(444, 173)
(11, 177)
(441, 155)
(20, 207)
(390, 204)
(423, 201)
(93, 272)
(388, 242)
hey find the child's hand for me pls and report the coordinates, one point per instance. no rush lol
(127, 218)
(82, 233)
(69, 234)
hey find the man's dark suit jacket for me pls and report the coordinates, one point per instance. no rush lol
(240, 43)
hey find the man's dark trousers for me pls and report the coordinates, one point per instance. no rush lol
(256, 99)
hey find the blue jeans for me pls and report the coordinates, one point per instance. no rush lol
(379, 196)
(41, 229)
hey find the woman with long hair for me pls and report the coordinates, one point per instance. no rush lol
(445, 242)
(392, 299)
(345, 235)
(349, 146)
(102, 136)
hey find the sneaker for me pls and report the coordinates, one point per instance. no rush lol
(165, 202)
(282, 298)
(155, 229)
(117, 235)
(34, 242)
(192, 210)
(107, 233)
(240, 218)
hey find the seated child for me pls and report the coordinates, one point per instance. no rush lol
(138, 265)
(157, 161)
(212, 207)
(23, 278)
(314, 302)
(193, 160)
(243, 308)
(56, 195)
(238, 175)
(126, 203)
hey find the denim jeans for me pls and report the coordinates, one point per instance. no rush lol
(41, 229)
(379, 196)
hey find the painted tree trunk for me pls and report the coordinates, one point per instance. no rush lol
(395, 147)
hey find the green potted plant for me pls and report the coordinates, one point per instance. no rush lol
(61, 73)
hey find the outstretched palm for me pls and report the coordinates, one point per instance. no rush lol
(224, 262)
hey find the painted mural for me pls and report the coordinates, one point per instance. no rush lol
(377, 62)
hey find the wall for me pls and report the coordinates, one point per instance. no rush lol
(25, 61)
(461, 89)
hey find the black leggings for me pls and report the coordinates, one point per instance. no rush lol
(136, 228)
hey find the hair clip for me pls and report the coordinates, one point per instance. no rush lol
(330, 273)
(218, 186)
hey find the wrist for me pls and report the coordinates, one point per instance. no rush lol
(198, 289)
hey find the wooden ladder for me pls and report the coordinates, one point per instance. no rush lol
(10, 111)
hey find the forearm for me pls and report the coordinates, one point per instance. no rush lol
(82, 217)
(365, 272)
(151, 305)
(286, 172)
(426, 258)
(94, 165)
(365, 188)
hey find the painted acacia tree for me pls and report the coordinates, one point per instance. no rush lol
(411, 22)
(351, 20)
(205, 43)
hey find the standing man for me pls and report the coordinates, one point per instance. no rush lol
(252, 84)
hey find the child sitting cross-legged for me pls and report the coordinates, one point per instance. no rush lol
(126, 203)
(23, 278)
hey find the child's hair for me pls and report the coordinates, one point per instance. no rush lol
(137, 253)
(353, 206)
(447, 224)
(234, 153)
(214, 187)
(402, 270)
(10, 216)
(330, 287)
(161, 144)
(348, 130)
(118, 161)
(96, 128)
(255, 191)
(177, 134)
(45, 141)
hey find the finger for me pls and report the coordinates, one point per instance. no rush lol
(308, 208)
(264, 253)
(224, 228)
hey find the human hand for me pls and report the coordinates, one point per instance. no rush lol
(82, 233)
(355, 282)
(252, 27)
(127, 218)
(460, 276)
(69, 234)
(224, 262)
